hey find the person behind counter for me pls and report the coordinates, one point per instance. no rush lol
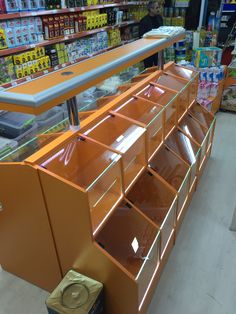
(152, 20)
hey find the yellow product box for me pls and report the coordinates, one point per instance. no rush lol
(40, 64)
(48, 62)
(30, 67)
(89, 2)
(62, 46)
(61, 60)
(28, 56)
(58, 47)
(60, 53)
(3, 41)
(17, 59)
(35, 65)
(33, 55)
(19, 71)
(26, 70)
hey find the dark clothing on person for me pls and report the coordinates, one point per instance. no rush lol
(146, 24)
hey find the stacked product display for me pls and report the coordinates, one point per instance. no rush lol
(75, 33)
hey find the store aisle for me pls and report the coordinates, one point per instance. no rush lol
(200, 276)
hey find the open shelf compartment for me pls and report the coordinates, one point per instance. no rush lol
(175, 172)
(180, 86)
(93, 169)
(125, 138)
(148, 115)
(187, 149)
(187, 74)
(164, 98)
(205, 118)
(158, 202)
(197, 132)
(134, 242)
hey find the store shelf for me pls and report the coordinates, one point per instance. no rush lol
(137, 249)
(175, 172)
(165, 98)
(57, 67)
(7, 16)
(125, 138)
(44, 43)
(148, 115)
(156, 201)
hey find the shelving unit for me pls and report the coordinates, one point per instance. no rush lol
(111, 196)
(15, 15)
(44, 43)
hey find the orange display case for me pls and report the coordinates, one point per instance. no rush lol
(125, 138)
(157, 201)
(109, 198)
(164, 98)
(149, 116)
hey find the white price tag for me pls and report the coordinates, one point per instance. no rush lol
(72, 10)
(28, 78)
(66, 37)
(45, 72)
(33, 13)
(32, 46)
(56, 68)
(63, 65)
(13, 83)
(82, 8)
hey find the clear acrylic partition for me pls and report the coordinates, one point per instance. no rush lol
(188, 74)
(157, 202)
(181, 86)
(94, 169)
(174, 171)
(134, 242)
(125, 137)
(201, 114)
(101, 102)
(197, 132)
(164, 98)
(139, 78)
(188, 150)
(150, 115)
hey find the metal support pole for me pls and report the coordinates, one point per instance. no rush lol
(73, 113)
(233, 222)
(161, 60)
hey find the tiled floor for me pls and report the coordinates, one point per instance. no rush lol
(200, 276)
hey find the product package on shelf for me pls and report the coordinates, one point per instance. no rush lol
(207, 57)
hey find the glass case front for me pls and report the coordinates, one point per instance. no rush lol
(165, 98)
(132, 241)
(150, 115)
(179, 85)
(124, 137)
(205, 118)
(187, 74)
(92, 168)
(158, 202)
(197, 132)
(175, 171)
(188, 150)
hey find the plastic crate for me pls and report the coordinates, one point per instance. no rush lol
(49, 118)
(14, 124)
(6, 146)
